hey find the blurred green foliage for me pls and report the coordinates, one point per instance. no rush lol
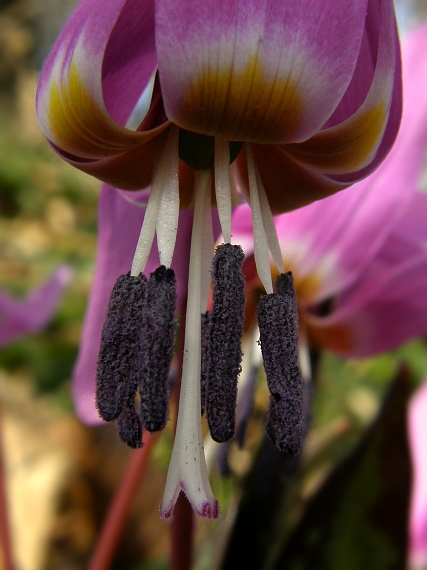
(47, 217)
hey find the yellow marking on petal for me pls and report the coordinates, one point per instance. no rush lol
(243, 105)
(346, 147)
(81, 126)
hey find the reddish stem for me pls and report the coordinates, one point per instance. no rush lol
(114, 523)
(6, 547)
(182, 535)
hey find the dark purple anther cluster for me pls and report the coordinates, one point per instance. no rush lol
(226, 330)
(158, 341)
(135, 355)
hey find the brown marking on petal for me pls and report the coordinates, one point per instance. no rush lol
(333, 337)
(346, 147)
(243, 105)
(288, 185)
(82, 126)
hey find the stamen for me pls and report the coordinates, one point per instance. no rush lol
(226, 330)
(165, 179)
(157, 344)
(119, 352)
(278, 326)
(223, 186)
(187, 467)
(204, 372)
(260, 239)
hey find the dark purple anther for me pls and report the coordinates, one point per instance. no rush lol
(119, 356)
(226, 328)
(157, 345)
(278, 326)
(129, 426)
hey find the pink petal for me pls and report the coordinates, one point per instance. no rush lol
(384, 309)
(21, 317)
(265, 71)
(94, 76)
(353, 144)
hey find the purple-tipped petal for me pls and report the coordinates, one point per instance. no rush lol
(21, 317)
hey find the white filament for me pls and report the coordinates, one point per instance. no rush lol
(262, 260)
(269, 227)
(207, 249)
(223, 186)
(163, 177)
(167, 218)
(187, 468)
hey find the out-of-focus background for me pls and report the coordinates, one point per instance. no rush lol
(62, 475)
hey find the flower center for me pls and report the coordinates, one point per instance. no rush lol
(139, 333)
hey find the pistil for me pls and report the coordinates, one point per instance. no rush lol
(187, 468)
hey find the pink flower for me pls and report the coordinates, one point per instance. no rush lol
(22, 317)
(301, 98)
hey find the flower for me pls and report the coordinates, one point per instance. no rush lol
(21, 317)
(302, 99)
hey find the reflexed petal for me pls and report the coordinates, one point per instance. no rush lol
(353, 144)
(119, 226)
(22, 317)
(264, 71)
(288, 185)
(94, 76)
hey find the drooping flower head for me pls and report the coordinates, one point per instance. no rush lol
(301, 99)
